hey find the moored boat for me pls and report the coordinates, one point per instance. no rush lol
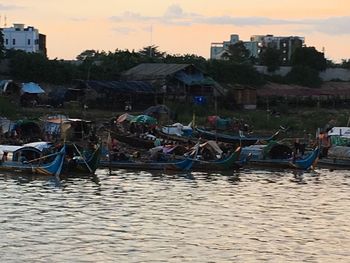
(279, 156)
(30, 160)
(231, 162)
(335, 145)
(84, 162)
(175, 165)
(233, 139)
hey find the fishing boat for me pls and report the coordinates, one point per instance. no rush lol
(231, 162)
(335, 145)
(279, 156)
(175, 165)
(82, 161)
(140, 141)
(233, 139)
(30, 160)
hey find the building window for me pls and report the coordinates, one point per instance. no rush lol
(36, 41)
(28, 42)
(13, 41)
(6, 41)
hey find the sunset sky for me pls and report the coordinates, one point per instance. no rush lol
(179, 27)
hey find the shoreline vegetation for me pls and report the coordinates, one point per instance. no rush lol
(297, 120)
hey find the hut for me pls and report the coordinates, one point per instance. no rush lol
(117, 95)
(176, 81)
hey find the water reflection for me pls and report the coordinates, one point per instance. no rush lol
(128, 216)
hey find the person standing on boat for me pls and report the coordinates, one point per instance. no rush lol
(296, 146)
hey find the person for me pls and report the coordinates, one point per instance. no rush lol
(296, 146)
(4, 157)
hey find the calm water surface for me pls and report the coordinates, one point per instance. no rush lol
(252, 216)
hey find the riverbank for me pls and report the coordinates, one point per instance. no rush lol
(299, 120)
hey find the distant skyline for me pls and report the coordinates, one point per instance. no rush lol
(179, 27)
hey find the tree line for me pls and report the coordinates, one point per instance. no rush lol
(236, 65)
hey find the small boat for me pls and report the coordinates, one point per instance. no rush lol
(279, 156)
(83, 162)
(335, 148)
(134, 140)
(28, 159)
(176, 165)
(233, 139)
(334, 163)
(232, 162)
(336, 157)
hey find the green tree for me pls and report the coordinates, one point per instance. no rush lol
(87, 55)
(152, 52)
(88, 59)
(309, 57)
(345, 63)
(237, 52)
(305, 76)
(198, 61)
(271, 57)
(235, 73)
(2, 45)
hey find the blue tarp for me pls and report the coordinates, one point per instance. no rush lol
(32, 88)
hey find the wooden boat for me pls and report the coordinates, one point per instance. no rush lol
(135, 140)
(335, 157)
(176, 165)
(286, 160)
(232, 162)
(334, 163)
(233, 139)
(83, 163)
(28, 159)
(335, 149)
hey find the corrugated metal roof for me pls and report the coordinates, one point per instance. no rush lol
(154, 70)
(121, 86)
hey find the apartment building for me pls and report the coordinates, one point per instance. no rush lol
(24, 38)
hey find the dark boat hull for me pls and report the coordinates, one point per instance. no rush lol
(334, 163)
(183, 165)
(230, 163)
(237, 140)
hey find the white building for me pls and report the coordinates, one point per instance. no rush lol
(218, 49)
(286, 44)
(258, 43)
(24, 38)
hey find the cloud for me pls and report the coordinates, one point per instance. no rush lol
(78, 19)
(175, 15)
(332, 25)
(9, 7)
(124, 30)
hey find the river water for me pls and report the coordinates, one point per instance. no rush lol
(126, 216)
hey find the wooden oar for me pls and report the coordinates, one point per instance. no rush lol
(42, 157)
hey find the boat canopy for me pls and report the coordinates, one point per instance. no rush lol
(340, 131)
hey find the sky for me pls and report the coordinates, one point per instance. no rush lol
(179, 27)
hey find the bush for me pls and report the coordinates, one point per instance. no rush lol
(7, 109)
(304, 76)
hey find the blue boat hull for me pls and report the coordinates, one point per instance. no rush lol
(52, 168)
(304, 163)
